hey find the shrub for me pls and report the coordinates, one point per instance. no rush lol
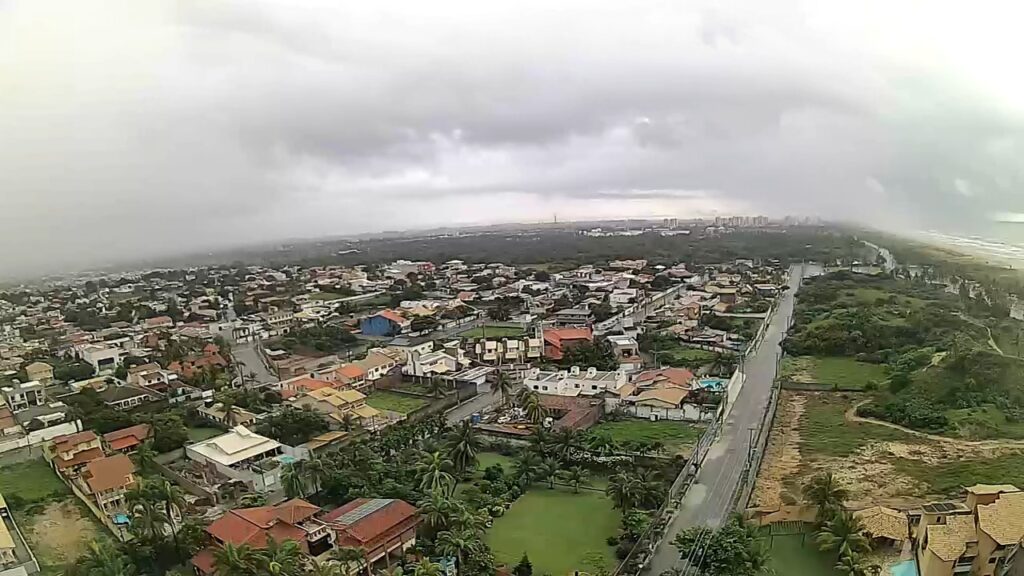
(612, 540)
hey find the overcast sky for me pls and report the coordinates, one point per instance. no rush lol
(144, 127)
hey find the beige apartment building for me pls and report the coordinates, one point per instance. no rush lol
(980, 537)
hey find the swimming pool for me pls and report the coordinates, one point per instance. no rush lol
(286, 459)
(905, 568)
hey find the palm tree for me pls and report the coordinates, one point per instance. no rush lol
(316, 470)
(348, 421)
(463, 446)
(434, 474)
(503, 386)
(548, 470)
(436, 510)
(623, 489)
(145, 455)
(602, 445)
(293, 479)
(457, 543)
(566, 442)
(526, 468)
(540, 441)
(280, 558)
(426, 568)
(316, 567)
(148, 520)
(230, 411)
(852, 564)
(844, 532)
(174, 501)
(576, 476)
(103, 559)
(825, 492)
(535, 411)
(231, 560)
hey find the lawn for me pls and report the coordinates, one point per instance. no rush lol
(839, 371)
(493, 331)
(384, 400)
(824, 430)
(488, 459)
(788, 555)
(677, 437)
(201, 433)
(325, 296)
(559, 530)
(31, 481)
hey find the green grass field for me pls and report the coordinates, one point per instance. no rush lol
(678, 437)
(384, 400)
(559, 530)
(788, 555)
(200, 433)
(487, 459)
(493, 331)
(32, 481)
(840, 371)
(824, 430)
(325, 296)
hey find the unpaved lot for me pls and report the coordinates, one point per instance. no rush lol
(816, 431)
(60, 533)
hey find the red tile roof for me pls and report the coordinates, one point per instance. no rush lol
(107, 473)
(69, 441)
(351, 371)
(79, 458)
(139, 432)
(680, 377)
(373, 525)
(392, 315)
(252, 526)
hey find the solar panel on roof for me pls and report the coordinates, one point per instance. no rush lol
(353, 516)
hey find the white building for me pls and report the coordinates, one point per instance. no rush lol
(102, 358)
(244, 455)
(574, 382)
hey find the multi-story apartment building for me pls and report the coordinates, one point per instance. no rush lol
(981, 537)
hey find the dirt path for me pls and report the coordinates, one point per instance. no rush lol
(782, 456)
(991, 340)
(851, 416)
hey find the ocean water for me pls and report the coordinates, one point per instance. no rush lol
(1003, 243)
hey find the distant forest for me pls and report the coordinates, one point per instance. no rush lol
(570, 249)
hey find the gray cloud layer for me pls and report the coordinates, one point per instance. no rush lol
(131, 128)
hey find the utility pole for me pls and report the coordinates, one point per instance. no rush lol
(750, 444)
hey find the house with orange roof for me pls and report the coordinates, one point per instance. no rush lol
(69, 454)
(253, 527)
(557, 341)
(107, 480)
(127, 440)
(381, 528)
(351, 376)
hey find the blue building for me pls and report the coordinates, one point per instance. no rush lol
(383, 323)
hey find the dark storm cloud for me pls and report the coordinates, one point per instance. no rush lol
(158, 127)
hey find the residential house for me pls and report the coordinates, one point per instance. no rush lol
(190, 366)
(21, 395)
(378, 527)
(108, 481)
(377, 364)
(124, 396)
(127, 440)
(574, 382)
(337, 405)
(627, 352)
(104, 359)
(431, 364)
(158, 322)
(254, 527)
(241, 454)
(980, 537)
(384, 323)
(572, 317)
(146, 375)
(70, 453)
(558, 341)
(498, 351)
(350, 376)
(40, 372)
(235, 417)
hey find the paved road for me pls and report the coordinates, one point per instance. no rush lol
(246, 353)
(485, 398)
(708, 501)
